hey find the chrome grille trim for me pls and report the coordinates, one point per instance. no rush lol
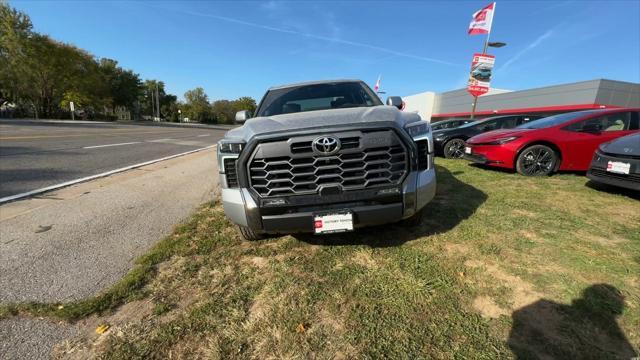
(372, 159)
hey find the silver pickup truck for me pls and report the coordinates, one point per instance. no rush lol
(325, 157)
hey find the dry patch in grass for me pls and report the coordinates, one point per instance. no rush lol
(521, 292)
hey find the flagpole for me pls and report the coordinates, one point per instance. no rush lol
(475, 98)
(484, 52)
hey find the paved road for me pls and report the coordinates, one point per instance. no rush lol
(77, 241)
(35, 155)
(72, 243)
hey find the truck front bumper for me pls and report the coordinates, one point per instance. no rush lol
(418, 189)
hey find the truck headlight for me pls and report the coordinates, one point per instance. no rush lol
(229, 147)
(418, 129)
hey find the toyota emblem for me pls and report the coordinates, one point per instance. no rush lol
(326, 145)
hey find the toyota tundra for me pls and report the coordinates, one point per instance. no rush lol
(325, 157)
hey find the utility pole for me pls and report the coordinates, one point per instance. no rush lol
(158, 100)
(153, 107)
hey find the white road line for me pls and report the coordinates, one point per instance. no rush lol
(101, 146)
(203, 135)
(93, 177)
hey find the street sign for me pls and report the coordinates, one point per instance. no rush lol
(71, 106)
(480, 75)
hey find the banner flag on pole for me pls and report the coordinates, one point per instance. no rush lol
(377, 86)
(481, 20)
(480, 75)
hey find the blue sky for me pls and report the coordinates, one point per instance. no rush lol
(234, 49)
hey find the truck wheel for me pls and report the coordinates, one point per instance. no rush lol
(454, 149)
(415, 220)
(249, 234)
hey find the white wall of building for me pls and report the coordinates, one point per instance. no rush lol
(421, 103)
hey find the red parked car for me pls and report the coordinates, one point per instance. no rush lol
(559, 142)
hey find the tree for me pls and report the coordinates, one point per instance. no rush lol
(15, 31)
(124, 86)
(224, 111)
(42, 75)
(58, 68)
(169, 107)
(197, 105)
(245, 103)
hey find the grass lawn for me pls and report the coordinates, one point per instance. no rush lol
(502, 266)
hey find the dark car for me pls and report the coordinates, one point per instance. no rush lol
(618, 163)
(449, 124)
(450, 142)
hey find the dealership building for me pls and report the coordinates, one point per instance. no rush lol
(549, 100)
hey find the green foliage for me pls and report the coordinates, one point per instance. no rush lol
(78, 99)
(197, 105)
(124, 85)
(41, 76)
(224, 111)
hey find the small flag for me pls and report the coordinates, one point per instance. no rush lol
(481, 20)
(377, 87)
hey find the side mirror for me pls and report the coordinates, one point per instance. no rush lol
(592, 128)
(242, 116)
(395, 101)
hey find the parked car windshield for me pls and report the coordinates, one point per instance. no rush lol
(472, 123)
(555, 120)
(317, 97)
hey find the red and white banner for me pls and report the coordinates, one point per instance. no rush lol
(480, 75)
(481, 20)
(377, 87)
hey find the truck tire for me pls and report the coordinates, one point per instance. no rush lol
(415, 220)
(249, 234)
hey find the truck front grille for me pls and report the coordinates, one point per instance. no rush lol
(365, 160)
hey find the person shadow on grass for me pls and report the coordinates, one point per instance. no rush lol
(586, 329)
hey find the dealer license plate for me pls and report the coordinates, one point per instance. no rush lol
(467, 150)
(618, 167)
(333, 223)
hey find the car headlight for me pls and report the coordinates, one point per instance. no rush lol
(230, 147)
(502, 141)
(418, 129)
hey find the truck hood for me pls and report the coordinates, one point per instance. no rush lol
(627, 145)
(496, 135)
(320, 119)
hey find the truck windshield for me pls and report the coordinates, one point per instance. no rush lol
(314, 97)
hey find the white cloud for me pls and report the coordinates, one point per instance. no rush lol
(333, 30)
(539, 40)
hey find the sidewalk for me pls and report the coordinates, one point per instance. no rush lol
(75, 242)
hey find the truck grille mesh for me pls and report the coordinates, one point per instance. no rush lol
(355, 166)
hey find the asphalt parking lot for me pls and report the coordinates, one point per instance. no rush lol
(35, 155)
